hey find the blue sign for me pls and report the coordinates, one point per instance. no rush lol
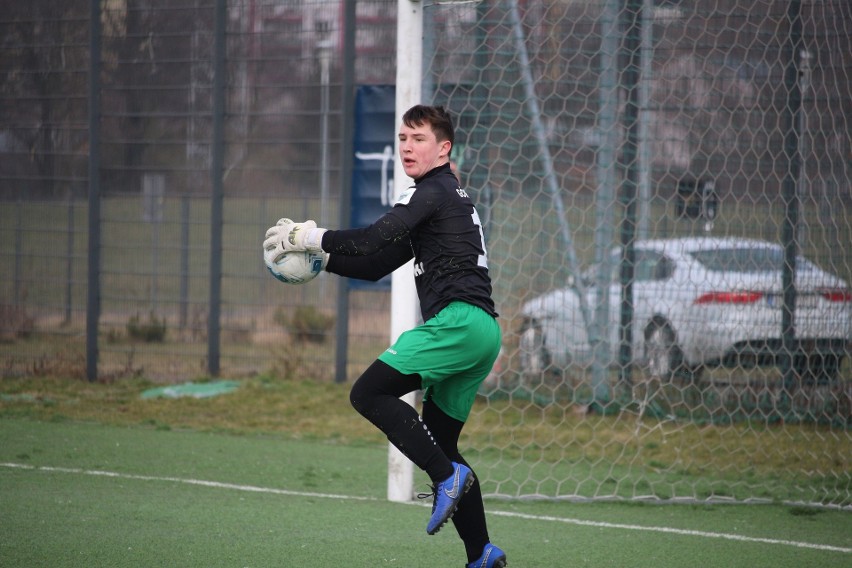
(372, 170)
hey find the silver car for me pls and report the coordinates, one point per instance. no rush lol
(698, 302)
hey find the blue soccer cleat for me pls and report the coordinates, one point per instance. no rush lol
(447, 494)
(492, 557)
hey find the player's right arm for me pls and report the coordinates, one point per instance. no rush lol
(372, 267)
(367, 241)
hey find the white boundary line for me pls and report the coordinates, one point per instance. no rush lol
(542, 518)
(201, 482)
(669, 530)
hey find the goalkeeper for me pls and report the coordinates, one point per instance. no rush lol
(450, 354)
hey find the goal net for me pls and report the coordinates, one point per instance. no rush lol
(665, 188)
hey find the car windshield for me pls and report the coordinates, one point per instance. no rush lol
(746, 260)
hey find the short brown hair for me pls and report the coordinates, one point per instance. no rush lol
(438, 118)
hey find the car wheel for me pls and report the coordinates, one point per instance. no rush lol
(533, 354)
(665, 359)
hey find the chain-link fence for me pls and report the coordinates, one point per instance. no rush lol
(280, 145)
(665, 186)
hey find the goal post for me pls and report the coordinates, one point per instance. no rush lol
(404, 305)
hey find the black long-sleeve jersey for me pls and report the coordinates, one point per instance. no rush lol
(433, 222)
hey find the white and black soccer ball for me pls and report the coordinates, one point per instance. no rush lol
(296, 267)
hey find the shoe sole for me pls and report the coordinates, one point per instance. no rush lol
(498, 563)
(467, 485)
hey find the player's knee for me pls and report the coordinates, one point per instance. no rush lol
(358, 397)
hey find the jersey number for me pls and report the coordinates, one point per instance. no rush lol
(482, 260)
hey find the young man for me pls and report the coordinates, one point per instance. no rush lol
(451, 353)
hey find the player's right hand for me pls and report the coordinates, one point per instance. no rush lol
(276, 243)
(305, 236)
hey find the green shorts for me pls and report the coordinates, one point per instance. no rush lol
(453, 352)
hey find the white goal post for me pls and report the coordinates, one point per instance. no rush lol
(404, 306)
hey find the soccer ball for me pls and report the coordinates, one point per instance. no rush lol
(296, 267)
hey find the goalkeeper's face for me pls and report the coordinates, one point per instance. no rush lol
(420, 151)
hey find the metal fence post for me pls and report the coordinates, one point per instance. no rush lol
(213, 324)
(346, 157)
(93, 303)
(632, 15)
(789, 192)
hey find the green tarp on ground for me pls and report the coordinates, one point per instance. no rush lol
(195, 390)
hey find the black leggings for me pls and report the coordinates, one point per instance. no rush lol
(431, 442)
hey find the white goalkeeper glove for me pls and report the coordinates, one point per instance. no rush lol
(288, 236)
(273, 247)
(306, 236)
